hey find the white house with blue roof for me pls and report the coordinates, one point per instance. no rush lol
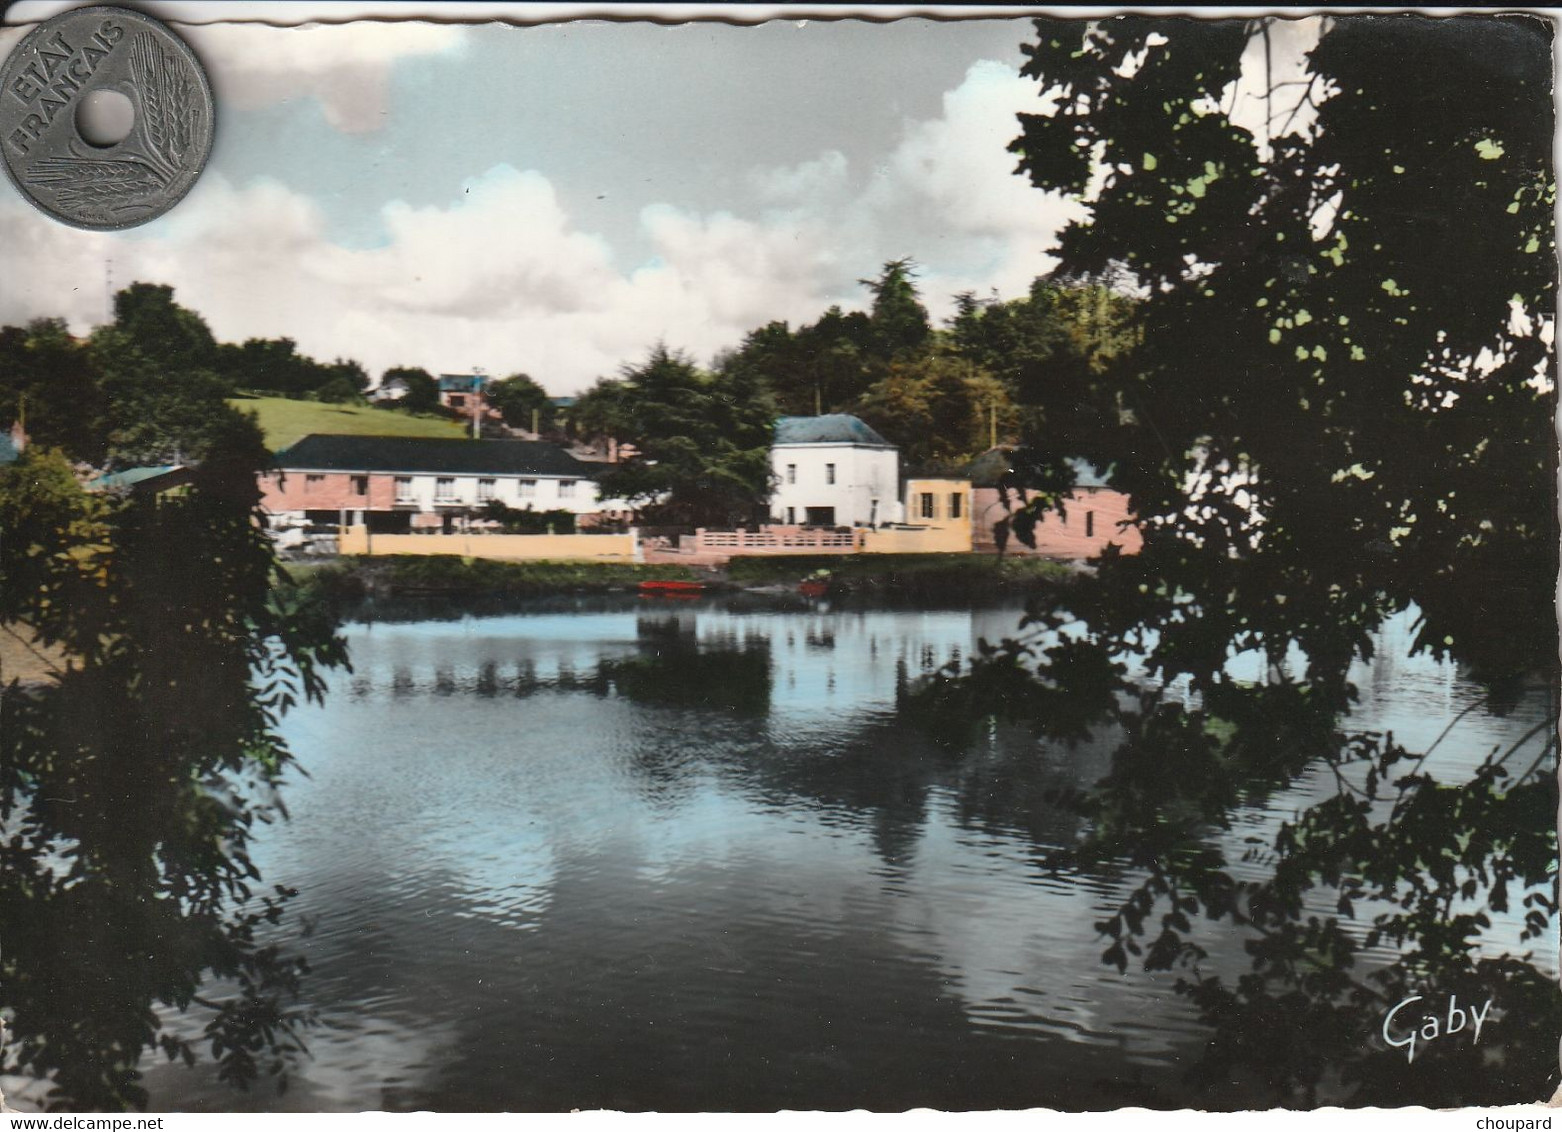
(833, 471)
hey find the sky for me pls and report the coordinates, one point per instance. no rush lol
(556, 200)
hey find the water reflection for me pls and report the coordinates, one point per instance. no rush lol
(641, 856)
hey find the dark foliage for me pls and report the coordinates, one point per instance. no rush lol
(130, 786)
(702, 441)
(1338, 408)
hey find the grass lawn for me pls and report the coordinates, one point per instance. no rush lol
(284, 421)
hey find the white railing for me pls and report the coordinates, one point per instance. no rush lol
(777, 540)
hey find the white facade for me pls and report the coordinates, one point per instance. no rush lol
(835, 484)
(429, 492)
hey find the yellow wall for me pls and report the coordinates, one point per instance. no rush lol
(938, 534)
(591, 548)
(917, 540)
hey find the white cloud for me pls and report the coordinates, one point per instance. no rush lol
(347, 68)
(503, 276)
(946, 195)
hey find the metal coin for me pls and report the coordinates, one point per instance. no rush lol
(42, 87)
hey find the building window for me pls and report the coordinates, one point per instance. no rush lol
(527, 489)
(360, 485)
(457, 401)
(1090, 524)
(928, 507)
(403, 489)
(313, 483)
(444, 490)
(829, 473)
(566, 489)
(791, 516)
(791, 473)
(485, 490)
(954, 504)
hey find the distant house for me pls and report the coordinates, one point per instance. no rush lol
(833, 471)
(395, 389)
(466, 393)
(394, 484)
(1094, 515)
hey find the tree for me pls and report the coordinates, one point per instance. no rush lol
(939, 410)
(821, 367)
(345, 377)
(1049, 348)
(48, 382)
(129, 786)
(165, 402)
(266, 365)
(422, 387)
(522, 402)
(702, 441)
(1338, 409)
(338, 391)
(150, 322)
(899, 320)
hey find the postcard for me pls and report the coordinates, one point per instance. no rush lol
(690, 564)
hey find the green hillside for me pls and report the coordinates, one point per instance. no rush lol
(284, 421)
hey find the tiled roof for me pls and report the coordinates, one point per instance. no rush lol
(832, 428)
(462, 382)
(162, 477)
(325, 453)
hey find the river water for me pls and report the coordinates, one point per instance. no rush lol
(684, 855)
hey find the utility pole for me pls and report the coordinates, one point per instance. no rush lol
(992, 424)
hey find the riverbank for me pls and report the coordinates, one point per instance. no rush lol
(933, 577)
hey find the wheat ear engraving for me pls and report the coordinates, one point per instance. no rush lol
(167, 110)
(105, 186)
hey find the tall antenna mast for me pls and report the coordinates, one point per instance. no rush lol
(108, 289)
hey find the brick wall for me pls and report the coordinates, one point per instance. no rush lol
(326, 491)
(1097, 510)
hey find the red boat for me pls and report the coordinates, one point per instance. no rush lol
(671, 589)
(814, 589)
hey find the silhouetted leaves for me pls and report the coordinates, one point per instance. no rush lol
(1338, 408)
(131, 784)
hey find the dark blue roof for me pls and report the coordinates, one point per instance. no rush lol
(462, 382)
(320, 452)
(832, 428)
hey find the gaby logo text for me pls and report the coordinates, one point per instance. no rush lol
(1401, 1032)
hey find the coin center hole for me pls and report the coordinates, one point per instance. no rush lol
(104, 117)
